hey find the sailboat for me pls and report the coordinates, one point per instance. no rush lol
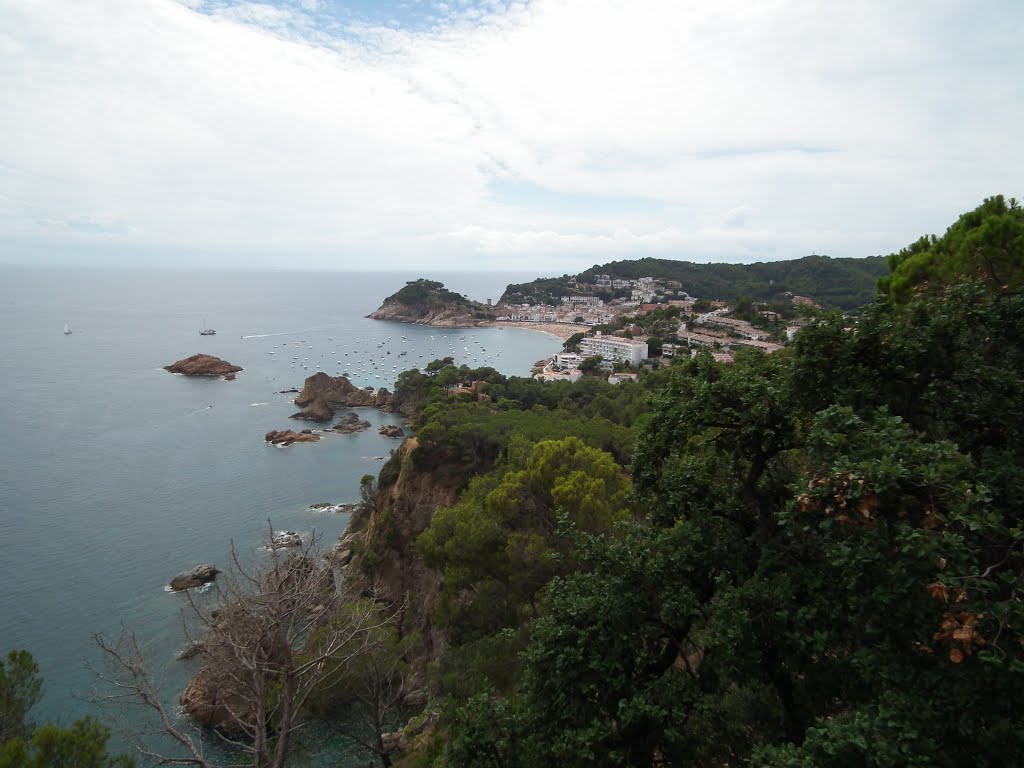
(207, 331)
(67, 330)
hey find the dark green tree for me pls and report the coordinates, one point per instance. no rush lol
(21, 688)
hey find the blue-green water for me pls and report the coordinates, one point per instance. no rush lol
(115, 475)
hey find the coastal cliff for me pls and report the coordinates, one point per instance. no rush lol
(426, 302)
(379, 548)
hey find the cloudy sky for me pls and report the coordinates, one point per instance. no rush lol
(472, 134)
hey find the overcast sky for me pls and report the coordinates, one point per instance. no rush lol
(485, 134)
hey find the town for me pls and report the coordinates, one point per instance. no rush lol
(623, 325)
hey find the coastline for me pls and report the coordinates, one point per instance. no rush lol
(561, 330)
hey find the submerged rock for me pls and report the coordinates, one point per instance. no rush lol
(195, 577)
(284, 539)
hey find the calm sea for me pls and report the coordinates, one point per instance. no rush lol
(115, 475)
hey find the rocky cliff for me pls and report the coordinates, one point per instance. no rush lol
(380, 547)
(437, 317)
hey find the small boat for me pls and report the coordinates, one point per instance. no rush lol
(207, 331)
(67, 330)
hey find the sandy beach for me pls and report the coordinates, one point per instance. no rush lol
(561, 330)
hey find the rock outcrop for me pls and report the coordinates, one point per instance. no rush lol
(425, 302)
(349, 423)
(194, 577)
(287, 437)
(322, 395)
(203, 365)
(438, 317)
(282, 539)
(391, 430)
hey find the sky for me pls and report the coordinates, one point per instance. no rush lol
(534, 135)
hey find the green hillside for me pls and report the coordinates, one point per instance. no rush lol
(833, 283)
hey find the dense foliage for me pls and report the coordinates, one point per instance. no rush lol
(985, 244)
(427, 293)
(25, 745)
(820, 562)
(834, 283)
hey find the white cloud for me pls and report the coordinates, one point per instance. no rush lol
(244, 127)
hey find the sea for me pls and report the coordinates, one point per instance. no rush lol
(115, 475)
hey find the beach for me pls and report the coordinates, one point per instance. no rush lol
(561, 330)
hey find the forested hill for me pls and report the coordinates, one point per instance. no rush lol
(833, 283)
(427, 302)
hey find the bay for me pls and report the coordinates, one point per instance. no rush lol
(115, 475)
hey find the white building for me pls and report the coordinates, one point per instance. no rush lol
(570, 376)
(614, 349)
(567, 360)
(587, 301)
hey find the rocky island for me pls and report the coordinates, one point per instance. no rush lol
(203, 365)
(287, 437)
(427, 302)
(322, 395)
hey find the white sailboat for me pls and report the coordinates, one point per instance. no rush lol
(67, 330)
(206, 331)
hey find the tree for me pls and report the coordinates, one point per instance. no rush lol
(367, 701)
(591, 365)
(21, 688)
(22, 745)
(986, 244)
(572, 344)
(83, 745)
(278, 634)
(434, 366)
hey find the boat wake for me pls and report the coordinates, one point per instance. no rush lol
(281, 333)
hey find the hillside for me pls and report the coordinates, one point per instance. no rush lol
(833, 283)
(427, 302)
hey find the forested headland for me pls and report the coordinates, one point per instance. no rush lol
(812, 558)
(843, 284)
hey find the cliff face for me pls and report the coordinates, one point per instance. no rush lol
(386, 540)
(425, 314)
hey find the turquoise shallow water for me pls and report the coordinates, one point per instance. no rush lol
(115, 475)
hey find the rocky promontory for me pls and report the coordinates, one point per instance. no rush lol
(426, 302)
(322, 395)
(203, 365)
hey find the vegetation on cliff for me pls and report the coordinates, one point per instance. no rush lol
(428, 293)
(819, 562)
(429, 302)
